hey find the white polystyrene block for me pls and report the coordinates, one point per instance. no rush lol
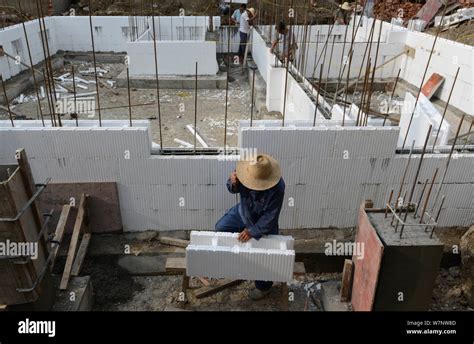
(221, 255)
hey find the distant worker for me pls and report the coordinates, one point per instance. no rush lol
(283, 35)
(343, 14)
(246, 19)
(369, 8)
(262, 190)
(223, 8)
(238, 14)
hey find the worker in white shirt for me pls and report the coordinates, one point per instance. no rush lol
(238, 14)
(246, 19)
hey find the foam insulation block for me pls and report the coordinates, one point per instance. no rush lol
(221, 255)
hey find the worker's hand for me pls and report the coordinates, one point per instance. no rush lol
(233, 178)
(245, 236)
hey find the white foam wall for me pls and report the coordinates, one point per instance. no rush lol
(330, 170)
(325, 187)
(174, 58)
(111, 34)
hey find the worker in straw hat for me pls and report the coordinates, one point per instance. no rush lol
(262, 189)
(343, 14)
(246, 19)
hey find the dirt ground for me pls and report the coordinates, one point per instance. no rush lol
(464, 33)
(211, 107)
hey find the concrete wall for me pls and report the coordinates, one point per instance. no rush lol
(188, 192)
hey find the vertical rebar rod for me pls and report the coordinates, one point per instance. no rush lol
(402, 182)
(95, 63)
(317, 95)
(75, 94)
(421, 198)
(6, 100)
(427, 199)
(156, 73)
(369, 98)
(437, 215)
(389, 203)
(391, 98)
(227, 82)
(360, 113)
(448, 162)
(195, 107)
(425, 73)
(48, 63)
(330, 62)
(129, 97)
(51, 106)
(35, 81)
(401, 210)
(342, 67)
(420, 164)
(446, 107)
(253, 97)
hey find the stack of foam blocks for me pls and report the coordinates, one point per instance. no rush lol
(221, 255)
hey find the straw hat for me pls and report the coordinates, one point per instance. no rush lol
(263, 173)
(345, 6)
(252, 10)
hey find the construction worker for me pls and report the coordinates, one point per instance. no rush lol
(238, 13)
(343, 14)
(246, 19)
(283, 35)
(262, 189)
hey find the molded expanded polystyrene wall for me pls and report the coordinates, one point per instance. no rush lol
(221, 255)
(328, 172)
(111, 34)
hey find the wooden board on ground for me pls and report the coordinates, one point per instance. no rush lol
(346, 285)
(81, 254)
(73, 244)
(212, 289)
(176, 265)
(59, 233)
(174, 242)
(103, 201)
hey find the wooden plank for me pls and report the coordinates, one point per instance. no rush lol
(103, 202)
(346, 285)
(175, 265)
(367, 269)
(299, 269)
(81, 254)
(30, 188)
(222, 284)
(73, 244)
(204, 281)
(174, 242)
(59, 233)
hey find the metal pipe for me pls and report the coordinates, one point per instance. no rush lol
(253, 97)
(437, 215)
(317, 95)
(75, 95)
(227, 82)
